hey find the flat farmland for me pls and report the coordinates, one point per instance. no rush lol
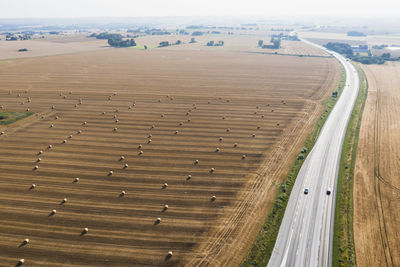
(166, 127)
(376, 179)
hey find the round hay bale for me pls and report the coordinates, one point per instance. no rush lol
(56, 117)
(122, 193)
(228, 130)
(253, 135)
(140, 152)
(149, 136)
(103, 113)
(152, 126)
(64, 200)
(165, 185)
(223, 117)
(110, 173)
(130, 107)
(20, 262)
(53, 107)
(176, 132)
(51, 125)
(277, 124)
(255, 112)
(272, 110)
(70, 92)
(53, 212)
(189, 177)
(267, 105)
(235, 145)
(84, 123)
(217, 149)
(243, 156)
(149, 141)
(121, 158)
(209, 102)
(188, 120)
(158, 220)
(181, 123)
(28, 109)
(40, 152)
(64, 141)
(22, 103)
(85, 230)
(220, 139)
(126, 165)
(1, 133)
(169, 255)
(140, 146)
(116, 110)
(76, 105)
(70, 136)
(38, 160)
(26, 241)
(116, 121)
(187, 113)
(257, 107)
(262, 116)
(212, 170)
(258, 127)
(196, 162)
(115, 129)
(76, 180)
(213, 198)
(162, 115)
(166, 207)
(50, 146)
(79, 131)
(33, 186)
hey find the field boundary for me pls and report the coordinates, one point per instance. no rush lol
(261, 251)
(343, 240)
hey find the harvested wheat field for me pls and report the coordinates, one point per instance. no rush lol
(134, 154)
(376, 180)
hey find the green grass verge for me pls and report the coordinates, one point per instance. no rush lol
(10, 117)
(343, 242)
(261, 250)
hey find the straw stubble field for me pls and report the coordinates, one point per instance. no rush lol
(376, 183)
(189, 124)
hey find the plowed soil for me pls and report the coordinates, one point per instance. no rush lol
(265, 104)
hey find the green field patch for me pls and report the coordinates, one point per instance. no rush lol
(8, 117)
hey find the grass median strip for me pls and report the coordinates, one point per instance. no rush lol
(261, 250)
(343, 242)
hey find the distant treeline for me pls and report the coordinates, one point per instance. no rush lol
(345, 49)
(212, 43)
(114, 39)
(355, 33)
(275, 43)
(121, 43)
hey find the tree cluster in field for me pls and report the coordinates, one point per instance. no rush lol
(355, 33)
(345, 49)
(22, 50)
(106, 35)
(212, 43)
(287, 37)
(275, 43)
(383, 46)
(166, 43)
(197, 33)
(121, 42)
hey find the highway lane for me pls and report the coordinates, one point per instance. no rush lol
(306, 234)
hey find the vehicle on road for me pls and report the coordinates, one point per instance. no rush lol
(306, 191)
(329, 191)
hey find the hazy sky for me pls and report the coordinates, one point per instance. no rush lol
(134, 8)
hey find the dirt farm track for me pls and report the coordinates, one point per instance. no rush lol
(189, 125)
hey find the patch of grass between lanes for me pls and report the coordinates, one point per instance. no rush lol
(343, 239)
(261, 251)
(8, 117)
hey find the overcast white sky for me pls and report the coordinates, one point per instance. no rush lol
(135, 8)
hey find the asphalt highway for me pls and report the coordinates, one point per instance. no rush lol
(306, 234)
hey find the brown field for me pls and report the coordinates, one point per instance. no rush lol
(203, 86)
(376, 180)
(233, 43)
(53, 45)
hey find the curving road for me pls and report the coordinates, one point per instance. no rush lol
(306, 234)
